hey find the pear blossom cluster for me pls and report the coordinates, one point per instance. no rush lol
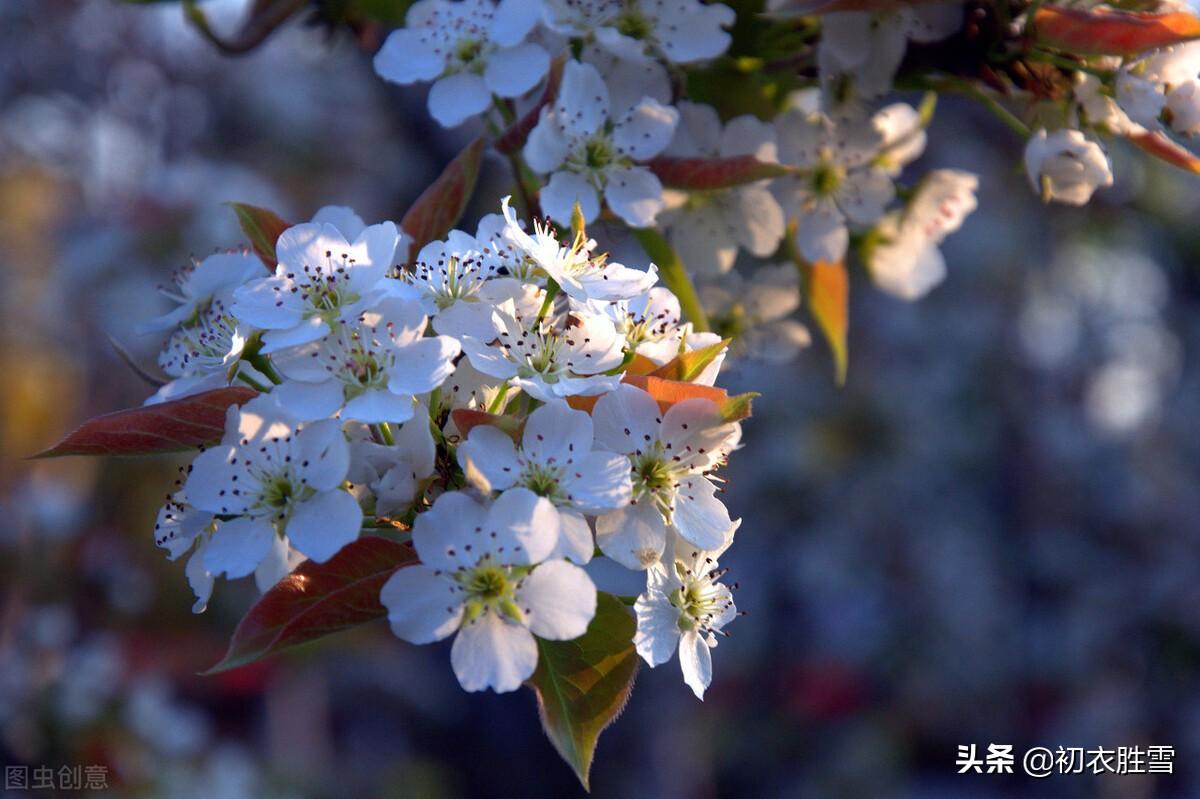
(531, 393)
(483, 399)
(609, 112)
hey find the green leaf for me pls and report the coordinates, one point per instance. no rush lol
(673, 274)
(583, 685)
(262, 227)
(441, 205)
(737, 407)
(318, 599)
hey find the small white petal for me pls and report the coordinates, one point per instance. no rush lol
(423, 604)
(558, 197)
(513, 71)
(695, 660)
(559, 600)
(456, 98)
(634, 194)
(404, 58)
(634, 536)
(321, 526)
(238, 546)
(490, 652)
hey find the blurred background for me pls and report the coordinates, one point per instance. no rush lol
(991, 534)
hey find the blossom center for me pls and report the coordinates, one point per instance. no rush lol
(826, 178)
(490, 587)
(634, 25)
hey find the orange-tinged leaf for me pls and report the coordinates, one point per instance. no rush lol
(441, 205)
(640, 365)
(709, 174)
(666, 392)
(467, 419)
(583, 685)
(1108, 31)
(262, 227)
(829, 301)
(318, 599)
(1166, 149)
(151, 429)
(687, 366)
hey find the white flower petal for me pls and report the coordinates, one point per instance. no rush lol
(456, 98)
(308, 402)
(525, 524)
(634, 194)
(559, 600)
(321, 526)
(821, 234)
(575, 541)
(405, 58)
(323, 454)
(274, 567)
(559, 195)
(695, 660)
(515, 70)
(645, 130)
(423, 604)
(625, 419)
(493, 453)
(377, 405)
(599, 481)
(699, 516)
(581, 107)
(557, 432)
(423, 365)
(634, 536)
(238, 546)
(490, 652)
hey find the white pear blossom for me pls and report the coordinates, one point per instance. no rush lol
(1097, 107)
(548, 360)
(707, 227)
(555, 460)
(471, 50)
(684, 608)
(906, 261)
(1066, 166)
(197, 285)
(274, 477)
(393, 475)
(671, 456)
(651, 323)
(204, 353)
(589, 151)
(321, 278)
(678, 31)
(628, 80)
(459, 280)
(860, 51)
(1144, 88)
(573, 268)
(839, 183)
(482, 574)
(756, 314)
(369, 368)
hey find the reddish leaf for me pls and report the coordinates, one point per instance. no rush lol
(513, 139)
(439, 207)
(168, 427)
(828, 301)
(1106, 31)
(262, 227)
(708, 174)
(1160, 146)
(318, 599)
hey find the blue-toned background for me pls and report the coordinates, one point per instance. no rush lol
(991, 534)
